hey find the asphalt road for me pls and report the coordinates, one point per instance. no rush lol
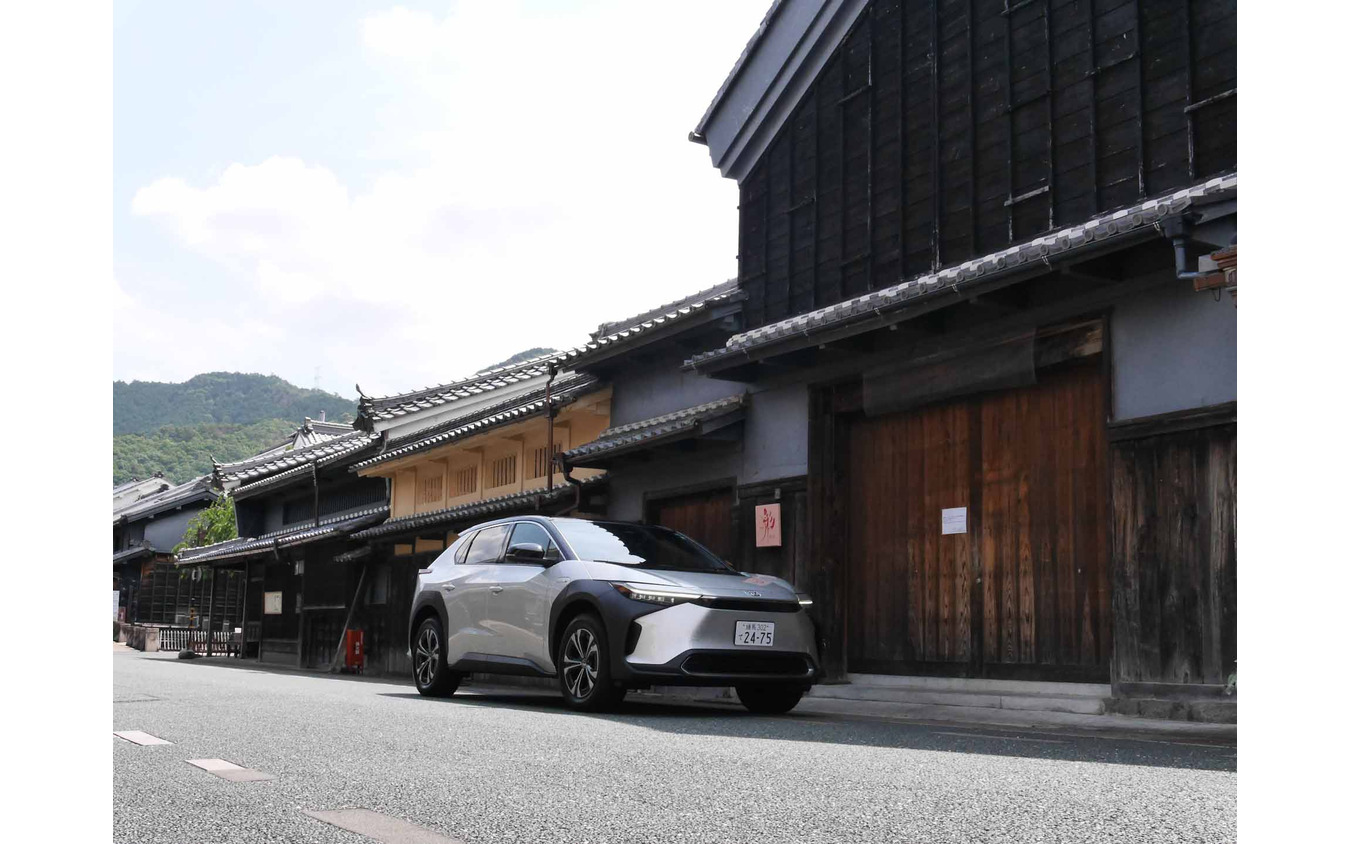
(486, 768)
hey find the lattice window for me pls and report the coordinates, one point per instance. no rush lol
(430, 489)
(504, 470)
(539, 462)
(466, 480)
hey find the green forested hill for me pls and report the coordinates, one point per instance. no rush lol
(223, 398)
(183, 452)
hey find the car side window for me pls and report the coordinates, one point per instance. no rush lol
(463, 550)
(487, 545)
(532, 532)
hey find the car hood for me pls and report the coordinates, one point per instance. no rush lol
(722, 585)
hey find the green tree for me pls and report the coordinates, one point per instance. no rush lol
(214, 524)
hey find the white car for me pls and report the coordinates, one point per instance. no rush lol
(605, 607)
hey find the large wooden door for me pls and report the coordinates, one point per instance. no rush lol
(703, 516)
(1024, 592)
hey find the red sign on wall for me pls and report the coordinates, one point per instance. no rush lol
(768, 526)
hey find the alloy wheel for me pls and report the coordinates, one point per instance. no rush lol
(581, 663)
(428, 656)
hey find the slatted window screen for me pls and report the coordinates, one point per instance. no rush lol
(539, 462)
(430, 489)
(466, 480)
(504, 470)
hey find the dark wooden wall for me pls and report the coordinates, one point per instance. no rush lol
(1025, 592)
(788, 560)
(1174, 556)
(942, 130)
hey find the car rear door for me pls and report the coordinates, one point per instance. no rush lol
(519, 597)
(466, 600)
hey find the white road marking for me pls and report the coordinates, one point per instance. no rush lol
(1003, 738)
(229, 770)
(382, 828)
(138, 737)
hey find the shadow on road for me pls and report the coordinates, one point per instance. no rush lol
(736, 723)
(733, 722)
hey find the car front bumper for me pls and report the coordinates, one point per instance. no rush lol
(693, 645)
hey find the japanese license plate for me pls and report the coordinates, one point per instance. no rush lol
(754, 633)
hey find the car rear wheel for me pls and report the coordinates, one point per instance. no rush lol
(583, 667)
(769, 700)
(430, 673)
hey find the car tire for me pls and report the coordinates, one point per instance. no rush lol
(583, 667)
(430, 673)
(769, 700)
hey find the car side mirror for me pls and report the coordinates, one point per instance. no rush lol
(526, 552)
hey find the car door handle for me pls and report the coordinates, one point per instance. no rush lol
(448, 586)
(494, 589)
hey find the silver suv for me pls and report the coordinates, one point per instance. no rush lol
(606, 607)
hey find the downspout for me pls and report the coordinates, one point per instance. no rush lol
(548, 411)
(1187, 265)
(576, 487)
(314, 474)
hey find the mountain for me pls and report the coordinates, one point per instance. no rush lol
(220, 398)
(520, 356)
(182, 452)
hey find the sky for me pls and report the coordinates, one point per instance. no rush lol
(397, 196)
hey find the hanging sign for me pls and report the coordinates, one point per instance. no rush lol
(953, 520)
(768, 526)
(271, 603)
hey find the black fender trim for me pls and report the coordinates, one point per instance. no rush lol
(616, 612)
(425, 598)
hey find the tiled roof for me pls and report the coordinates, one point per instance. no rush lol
(128, 554)
(256, 468)
(197, 489)
(614, 334)
(336, 525)
(373, 408)
(384, 408)
(681, 423)
(528, 500)
(565, 390)
(901, 295)
(350, 449)
(317, 431)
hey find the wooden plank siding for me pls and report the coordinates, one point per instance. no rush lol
(1174, 547)
(706, 517)
(942, 130)
(1026, 591)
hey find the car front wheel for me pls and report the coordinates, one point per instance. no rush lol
(430, 673)
(769, 700)
(583, 667)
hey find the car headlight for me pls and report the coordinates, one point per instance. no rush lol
(662, 595)
(804, 599)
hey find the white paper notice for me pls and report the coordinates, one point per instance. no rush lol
(953, 520)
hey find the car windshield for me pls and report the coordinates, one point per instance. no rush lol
(639, 546)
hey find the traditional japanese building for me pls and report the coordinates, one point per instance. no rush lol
(149, 520)
(281, 581)
(465, 452)
(981, 349)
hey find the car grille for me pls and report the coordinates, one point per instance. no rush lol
(750, 604)
(759, 665)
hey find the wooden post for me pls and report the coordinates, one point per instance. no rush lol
(351, 611)
(243, 622)
(210, 608)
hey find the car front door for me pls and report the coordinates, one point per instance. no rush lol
(518, 600)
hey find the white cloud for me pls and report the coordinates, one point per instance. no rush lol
(546, 186)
